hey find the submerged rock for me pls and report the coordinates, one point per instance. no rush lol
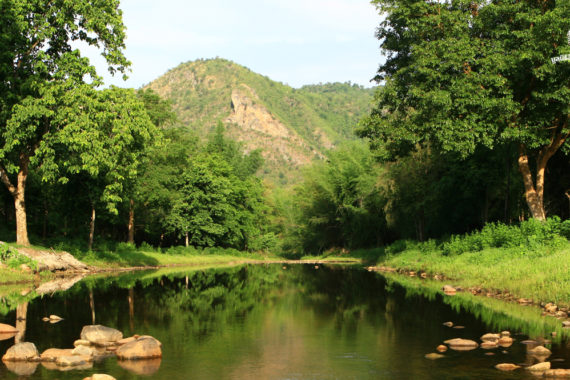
(441, 348)
(24, 351)
(98, 334)
(507, 366)
(434, 356)
(144, 347)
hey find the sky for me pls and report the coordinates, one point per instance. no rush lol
(296, 42)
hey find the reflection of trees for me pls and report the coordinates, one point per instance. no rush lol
(21, 317)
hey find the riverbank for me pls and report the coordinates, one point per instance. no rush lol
(128, 257)
(541, 275)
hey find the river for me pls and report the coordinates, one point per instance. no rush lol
(279, 322)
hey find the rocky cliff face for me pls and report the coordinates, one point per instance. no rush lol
(251, 123)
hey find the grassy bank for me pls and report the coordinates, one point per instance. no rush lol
(531, 260)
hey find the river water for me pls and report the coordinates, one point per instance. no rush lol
(278, 322)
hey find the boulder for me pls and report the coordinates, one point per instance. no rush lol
(507, 366)
(490, 337)
(459, 342)
(7, 329)
(441, 348)
(434, 356)
(82, 351)
(558, 373)
(51, 354)
(126, 340)
(448, 324)
(24, 351)
(540, 367)
(505, 333)
(505, 341)
(142, 348)
(98, 334)
(566, 323)
(54, 317)
(81, 342)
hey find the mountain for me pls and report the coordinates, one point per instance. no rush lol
(291, 126)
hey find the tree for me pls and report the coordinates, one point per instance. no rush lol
(461, 74)
(40, 72)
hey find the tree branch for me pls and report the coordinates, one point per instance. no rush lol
(4, 178)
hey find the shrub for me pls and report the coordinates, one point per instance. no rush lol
(530, 235)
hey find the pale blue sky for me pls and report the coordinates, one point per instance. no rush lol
(292, 41)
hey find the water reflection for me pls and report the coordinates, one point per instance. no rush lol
(265, 322)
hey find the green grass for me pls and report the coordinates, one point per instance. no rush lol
(542, 275)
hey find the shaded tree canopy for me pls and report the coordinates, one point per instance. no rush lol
(462, 74)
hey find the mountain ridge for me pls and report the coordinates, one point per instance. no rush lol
(291, 126)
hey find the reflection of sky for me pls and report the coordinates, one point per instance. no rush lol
(293, 41)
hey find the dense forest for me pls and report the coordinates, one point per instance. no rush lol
(442, 148)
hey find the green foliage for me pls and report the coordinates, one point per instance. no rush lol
(457, 78)
(14, 259)
(340, 203)
(530, 235)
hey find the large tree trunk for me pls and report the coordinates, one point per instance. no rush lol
(20, 204)
(92, 227)
(131, 225)
(18, 192)
(534, 187)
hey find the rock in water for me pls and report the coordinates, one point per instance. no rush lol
(99, 376)
(490, 337)
(441, 348)
(434, 356)
(459, 342)
(51, 354)
(557, 373)
(24, 351)
(7, 329)
(507, 366)
(72, 361)
(539, 367)
(142, 348)
(98, 334)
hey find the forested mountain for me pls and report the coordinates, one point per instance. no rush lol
(290, 126)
